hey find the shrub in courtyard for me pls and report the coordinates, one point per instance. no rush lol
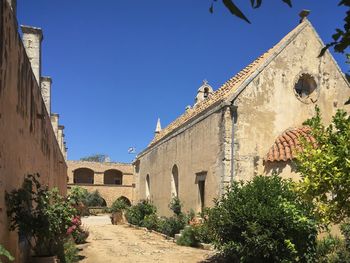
(151, 222)
(41, 216)
(70, 252)
(136, 214)
(263, 221)
(175, 205)
(94, 199)
(188, 238)
(332, 249)
(119, 205)
(171, 225)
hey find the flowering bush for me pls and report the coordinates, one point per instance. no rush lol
(40, 215)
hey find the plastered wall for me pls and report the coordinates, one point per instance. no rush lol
(27, 140)
(268, 105)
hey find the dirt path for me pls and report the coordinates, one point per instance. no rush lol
(121, 243)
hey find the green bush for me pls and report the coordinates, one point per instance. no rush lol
(136, 214)
(6, 254)
(70, 252)
(175, 205)
(119, 205)
(94, 200)
(171, 225)
(77, 195)
(332, 249)
(202, 233)
(263, 221)
(41, 215)
(188, 238)
(151, 222)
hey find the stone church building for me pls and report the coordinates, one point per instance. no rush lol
(248, 126)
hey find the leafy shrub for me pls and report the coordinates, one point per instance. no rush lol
(332, 249)
(202, 233)
(6, 254)
(77, 195)
(263, 221)
(171, 225)
(151, 222)
(119, 205)
(94, 199)
(188, 238)
(70, 252)
(345, 229)
(135, 214)
(175, 205)
(41, 216)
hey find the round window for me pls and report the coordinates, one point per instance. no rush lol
(306, 89)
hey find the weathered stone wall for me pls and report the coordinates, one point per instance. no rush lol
(27, 142)
(268, 105)
(195, 150)
(109, 192)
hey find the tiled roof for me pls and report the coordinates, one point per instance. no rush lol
(226, 90)
(287, 144)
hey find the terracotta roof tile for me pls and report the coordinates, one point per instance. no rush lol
(225, 91)
(288, 143)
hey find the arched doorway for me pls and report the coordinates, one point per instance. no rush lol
(125, 200)
(113, 177)
(83, 176)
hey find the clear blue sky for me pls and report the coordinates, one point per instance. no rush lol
(119, 65)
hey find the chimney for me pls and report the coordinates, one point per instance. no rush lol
(54, 121)
(60, 138)
(46, 92)
(32, 37)
(13, 5)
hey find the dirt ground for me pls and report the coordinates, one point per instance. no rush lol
(121, 243)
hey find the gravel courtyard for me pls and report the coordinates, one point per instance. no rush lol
(121, 243)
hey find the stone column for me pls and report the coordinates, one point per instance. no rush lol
(54, 121)
(61, 137)
(32, 37)
(46, 83)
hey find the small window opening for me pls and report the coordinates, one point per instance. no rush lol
(206, 93)
(305, 88)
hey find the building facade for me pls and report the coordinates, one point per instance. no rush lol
(247, 127)
(111, 180)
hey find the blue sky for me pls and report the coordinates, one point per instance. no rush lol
(119, 65)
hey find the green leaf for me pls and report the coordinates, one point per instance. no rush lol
(211, 8)
(288, 2)
(5, 253)
(235, 10)
(255, 3)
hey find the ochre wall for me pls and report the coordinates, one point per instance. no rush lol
(109, 192)
(268, 105)
(27, 142)
(195, 150)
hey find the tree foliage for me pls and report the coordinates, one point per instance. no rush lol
(341, 38)
(325, 169)
(263, 220)
(100, 158)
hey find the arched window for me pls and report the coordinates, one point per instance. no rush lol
(113, 177)
(83, 176)
(206, 92)
(175, 181)
(148, 187)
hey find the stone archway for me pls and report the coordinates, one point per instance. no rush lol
(113, 176)
(83, 176)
